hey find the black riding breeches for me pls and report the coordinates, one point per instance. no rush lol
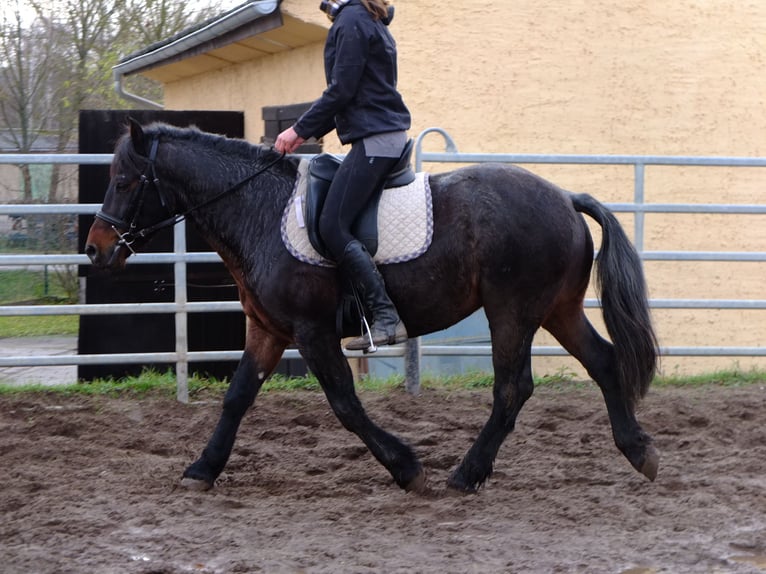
(358, 178)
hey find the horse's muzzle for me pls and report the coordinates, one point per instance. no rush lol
(103, 249)
(111, 258)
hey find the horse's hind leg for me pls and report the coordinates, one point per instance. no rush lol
(572, 329)
(325, 359)
(513, 385)
(262, 353)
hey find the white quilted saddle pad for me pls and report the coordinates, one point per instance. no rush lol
(405, 222)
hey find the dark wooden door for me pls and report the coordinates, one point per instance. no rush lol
(144, 333)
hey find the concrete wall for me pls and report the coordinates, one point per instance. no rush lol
(596, 77)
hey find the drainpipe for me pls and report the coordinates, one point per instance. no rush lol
(133, 97)
(215, 28)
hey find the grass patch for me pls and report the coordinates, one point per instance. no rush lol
(482, 379)
(25, 287)
(310, 383)
(156, 383)
(726, 377)
(22, 285)
(281, 383)
(149, 382)
(39, 325)
(467, 380)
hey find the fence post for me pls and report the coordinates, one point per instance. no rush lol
(638, 199)
(412, 346)
(182, 338)
(412, 366)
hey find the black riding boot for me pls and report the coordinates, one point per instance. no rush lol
(359, 268)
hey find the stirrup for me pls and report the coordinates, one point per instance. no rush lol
(364, 324)
(372, 348)
(399, 336)
(366, 334)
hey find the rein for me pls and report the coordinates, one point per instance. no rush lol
(131, 235)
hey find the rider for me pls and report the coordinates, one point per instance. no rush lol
(362, 103)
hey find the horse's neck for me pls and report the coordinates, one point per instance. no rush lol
(234, 219)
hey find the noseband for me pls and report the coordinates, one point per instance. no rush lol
(131, 235)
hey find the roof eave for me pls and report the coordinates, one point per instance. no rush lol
(212, 34)
(235, 23)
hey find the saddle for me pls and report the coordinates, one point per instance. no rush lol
(322, 169)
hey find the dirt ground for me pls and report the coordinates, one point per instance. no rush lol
(91, 485)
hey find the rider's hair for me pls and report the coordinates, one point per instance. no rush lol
(378, 8)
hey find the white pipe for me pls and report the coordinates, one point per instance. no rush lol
(130, 96)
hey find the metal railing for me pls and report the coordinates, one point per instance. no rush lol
(413, 349)
(639, 208)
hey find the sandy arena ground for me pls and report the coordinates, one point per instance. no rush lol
(92, 485)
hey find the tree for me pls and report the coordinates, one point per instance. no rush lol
(146, 22)
(60, 61)
(25, 87)
(159, 19)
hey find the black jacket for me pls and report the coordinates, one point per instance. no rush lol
(361, 98)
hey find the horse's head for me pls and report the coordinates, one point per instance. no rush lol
(133, 204)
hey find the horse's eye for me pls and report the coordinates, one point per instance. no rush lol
(121, 183)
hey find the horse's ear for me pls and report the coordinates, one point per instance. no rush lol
(137, 136)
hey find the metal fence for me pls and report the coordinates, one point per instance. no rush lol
(413, 349)
(639, 207)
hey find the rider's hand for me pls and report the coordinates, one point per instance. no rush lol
(288, 141)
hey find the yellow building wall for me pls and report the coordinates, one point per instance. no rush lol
(585, 77)
(282, 79)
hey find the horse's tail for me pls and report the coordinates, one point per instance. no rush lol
(622, 287)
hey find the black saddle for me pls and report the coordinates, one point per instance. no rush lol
(322, 169)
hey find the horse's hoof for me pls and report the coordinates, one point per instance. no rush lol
(456, 484)
(419, 484)
(455, 490)
(196, 484)
(651, 463)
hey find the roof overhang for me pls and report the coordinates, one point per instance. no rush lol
(250, 31)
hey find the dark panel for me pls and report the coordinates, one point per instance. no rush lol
(278, 118)
(102, 334)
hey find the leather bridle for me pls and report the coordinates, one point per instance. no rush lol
(148, 179)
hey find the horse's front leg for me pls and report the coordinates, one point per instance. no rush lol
(262, 353)
(511, 357)
(326, 360)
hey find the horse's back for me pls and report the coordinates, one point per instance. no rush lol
(503, 206)
(501, 233)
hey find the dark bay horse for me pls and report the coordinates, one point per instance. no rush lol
(503, 239)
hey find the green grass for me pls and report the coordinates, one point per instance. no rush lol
(467, 380)
(727, 377)
(164, 383)
(149, 382)
(23, 285)
(29, 287)
(20, 285)
(39, 325)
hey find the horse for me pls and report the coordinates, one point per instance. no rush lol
(504, 239)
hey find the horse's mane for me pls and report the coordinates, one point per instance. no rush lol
(192, 135)
(210, 164)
